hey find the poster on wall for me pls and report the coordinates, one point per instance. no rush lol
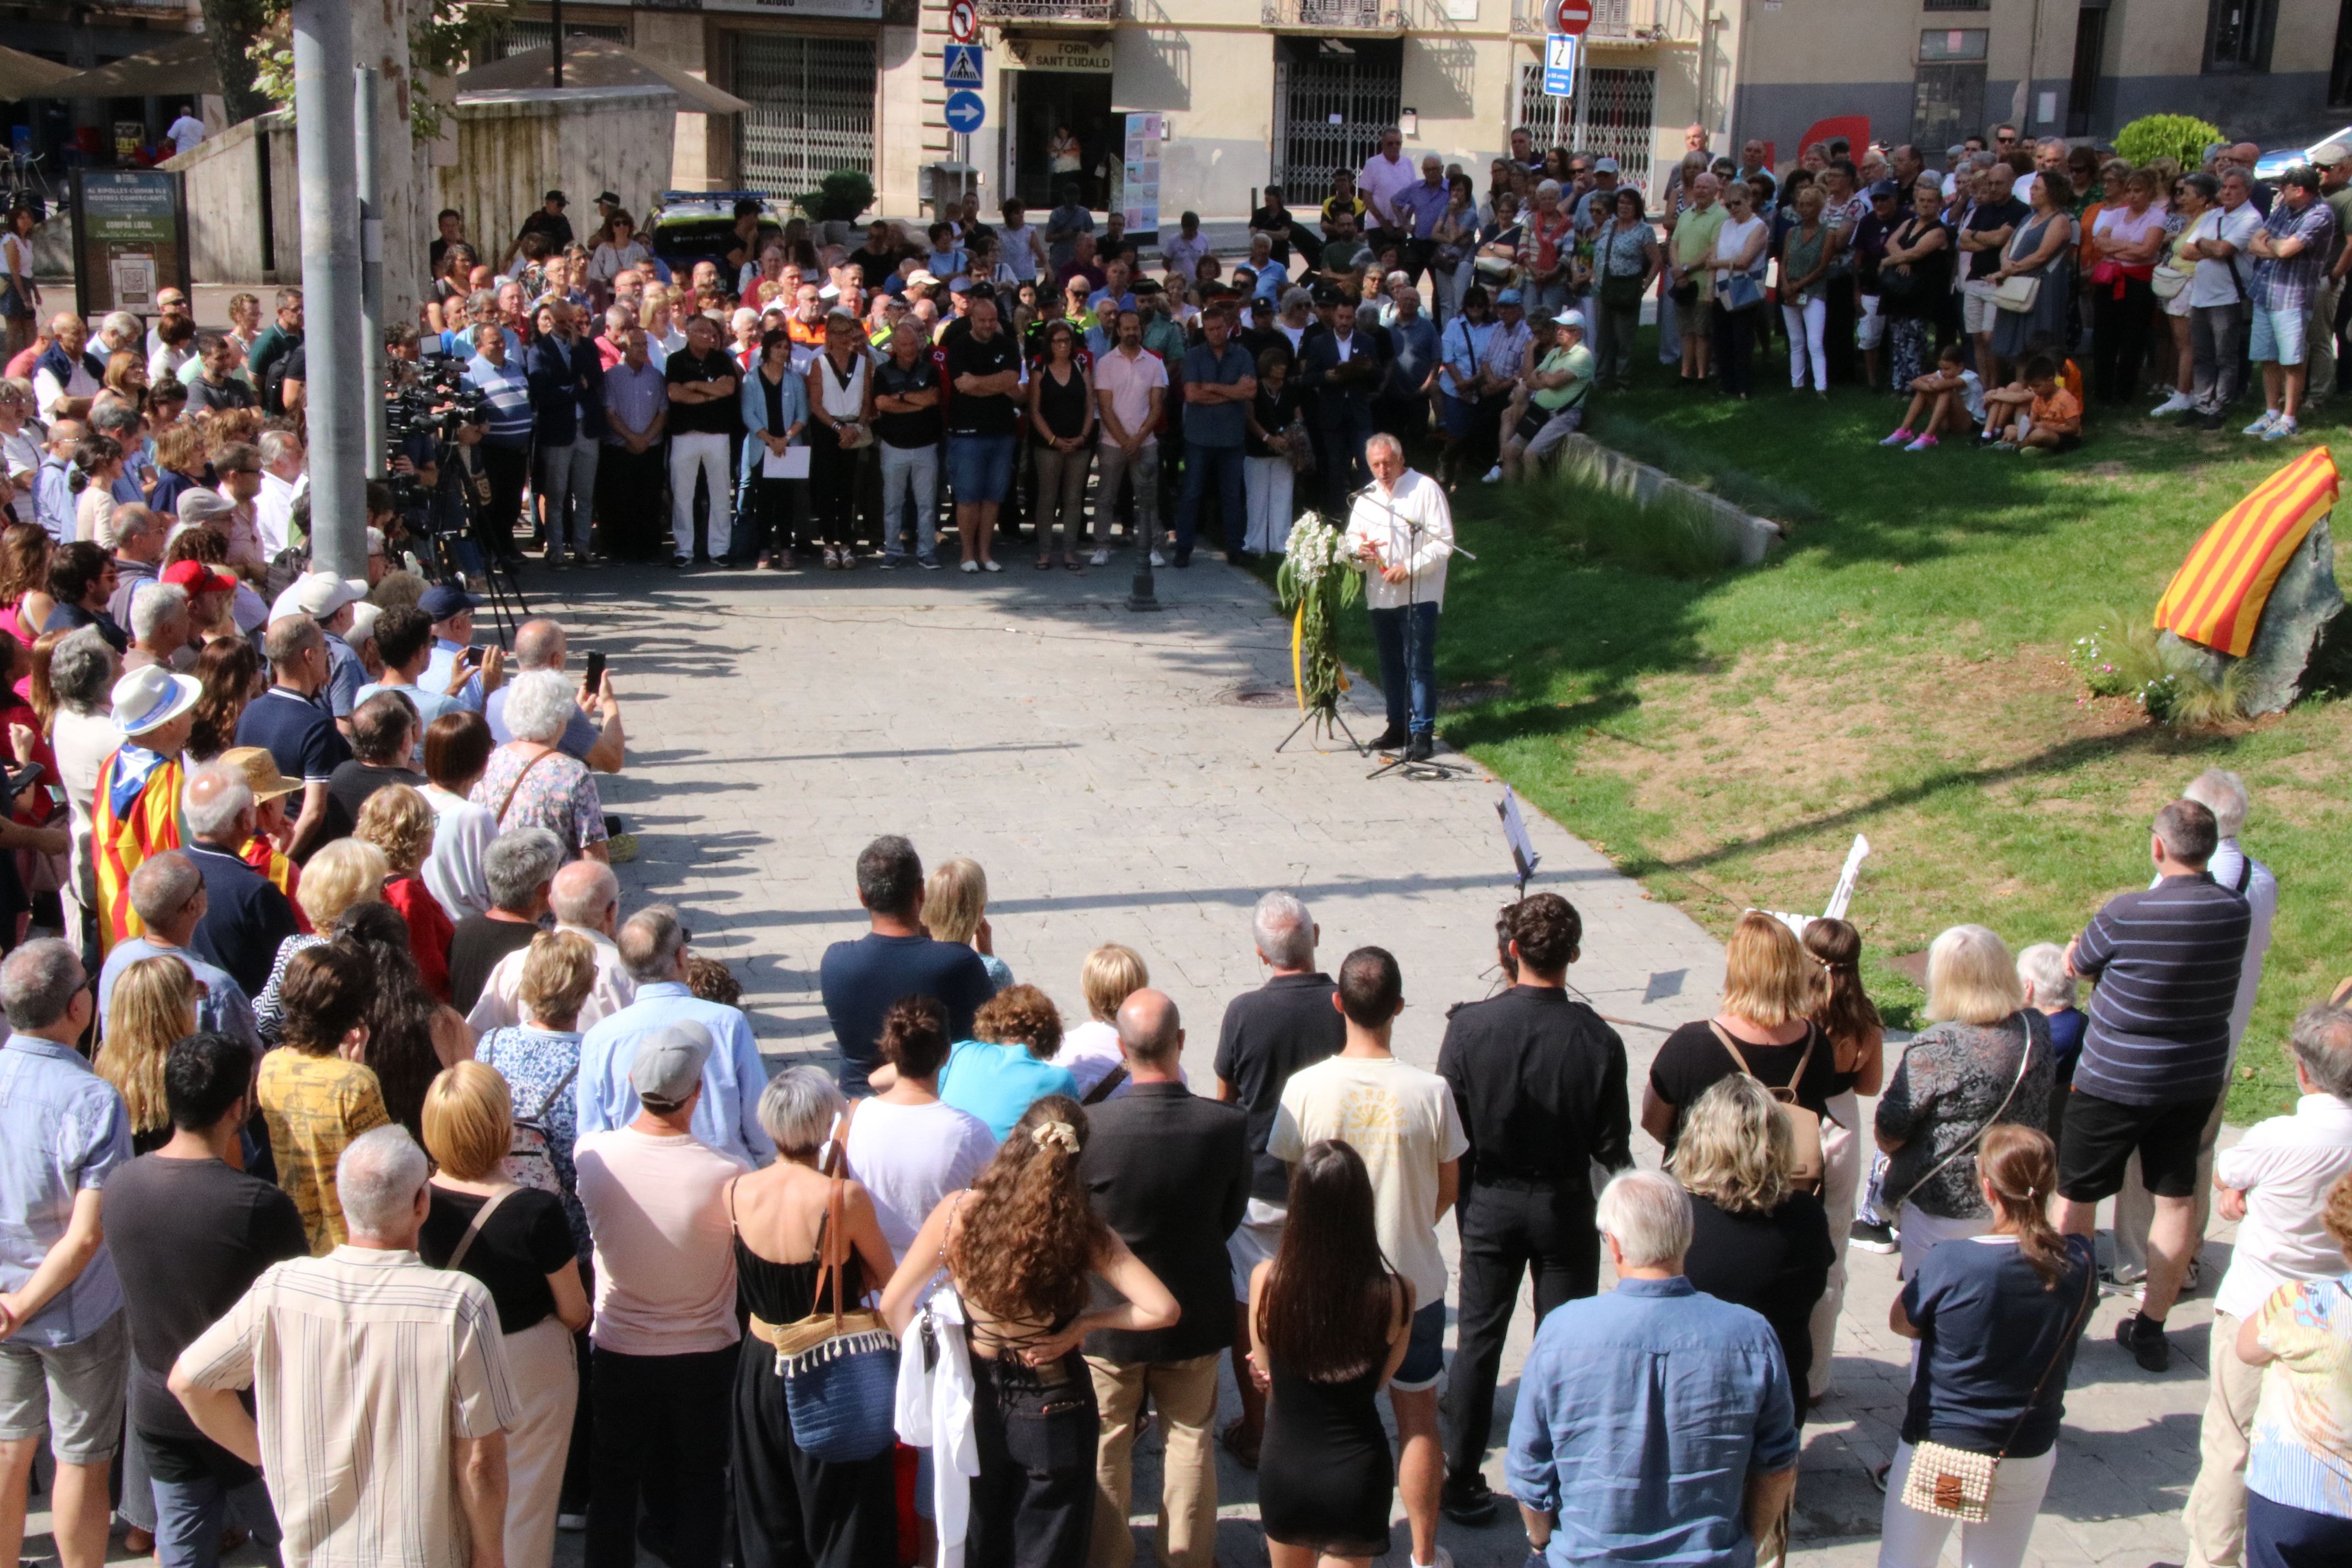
(131, 239)
(1140, 190)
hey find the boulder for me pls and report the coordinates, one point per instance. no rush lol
(2295, 619)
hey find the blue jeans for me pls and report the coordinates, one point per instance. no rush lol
(979, 467)
(189, 1514)
(1201, 465)
(1389, 634)
(915, 471)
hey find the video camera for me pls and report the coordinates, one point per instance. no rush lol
(428, 397)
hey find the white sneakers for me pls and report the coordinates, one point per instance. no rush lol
(1099, 558)
(1158, 559)
(2179, 403)
(2262, 426)
(1493, 476)
(970, 567)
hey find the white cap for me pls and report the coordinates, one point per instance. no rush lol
(316, 594)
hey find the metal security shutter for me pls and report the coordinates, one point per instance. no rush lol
(515, 37)
(812, 110)
(1619, 116)
(1362, 86)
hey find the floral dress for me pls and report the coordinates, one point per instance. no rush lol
(528, 785)
(541, 1065)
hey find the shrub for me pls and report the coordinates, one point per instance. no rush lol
(2125, 656)
(841, 197)
(2181, 136)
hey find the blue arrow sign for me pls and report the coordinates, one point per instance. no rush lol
(965, 112)
(963, 68)
(1559, 66)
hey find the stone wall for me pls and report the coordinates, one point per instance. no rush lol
(512, 147)
(225, 204)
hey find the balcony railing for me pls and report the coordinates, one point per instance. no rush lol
(1050, 12)
(1620, 21)
(1334, 17)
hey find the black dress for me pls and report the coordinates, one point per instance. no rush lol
(1325, 1478)
(790, 1510)
(1775, 1265)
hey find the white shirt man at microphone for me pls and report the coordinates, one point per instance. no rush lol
(1402, 530)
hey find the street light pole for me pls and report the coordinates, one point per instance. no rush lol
(339, 406)
(370, 195)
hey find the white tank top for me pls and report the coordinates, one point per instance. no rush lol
(843, 401)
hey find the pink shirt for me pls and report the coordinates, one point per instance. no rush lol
(1130, 383)
(664, 1254)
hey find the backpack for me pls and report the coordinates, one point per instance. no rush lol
(531, 1156)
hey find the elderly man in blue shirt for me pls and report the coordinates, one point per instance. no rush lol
(64, 1346)
(653, 944)
(1655, 1423)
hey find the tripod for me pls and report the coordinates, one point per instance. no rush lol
(1324, 722)
(1405, 764)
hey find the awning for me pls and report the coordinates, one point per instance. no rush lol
(180, 69)
(24, 75)
(593, 63)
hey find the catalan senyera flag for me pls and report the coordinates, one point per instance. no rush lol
(134, 814)
(2217, 596)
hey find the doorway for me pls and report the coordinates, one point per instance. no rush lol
(2339, 75)
(1045, 101)
(2083, 85)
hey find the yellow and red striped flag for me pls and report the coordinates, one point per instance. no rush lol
(2217, 596)
(134, 816)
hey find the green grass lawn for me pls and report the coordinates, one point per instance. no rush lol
(1896, 669)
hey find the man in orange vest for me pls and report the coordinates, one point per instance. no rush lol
(135, 809)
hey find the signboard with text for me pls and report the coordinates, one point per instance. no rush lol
(1090, 56)
(131, 239)
(864, 10)
(1140, 191)
(1559, 65)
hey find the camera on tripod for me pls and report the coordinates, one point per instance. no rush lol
(427, 397)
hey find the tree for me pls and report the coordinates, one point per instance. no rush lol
(233, 26)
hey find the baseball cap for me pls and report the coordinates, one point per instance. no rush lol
(202, 506)
(920, 277)
(363, 616)
(150, 696)
(1605, 166)
(960, 285)
(316, 594)
(668, 1064)
(557, 198)
(1569, 319)
(260, 773)
(1885, 190)
(444, 600)
(2328, 153)
(1508, 297)
(197, 578)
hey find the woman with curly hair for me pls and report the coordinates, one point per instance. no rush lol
(398, 821)
(410, 1036)
(230, 672)
(151, 1008)
(1019, 1249)
(1009, 1064)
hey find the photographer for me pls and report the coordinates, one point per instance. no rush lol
(505, 450)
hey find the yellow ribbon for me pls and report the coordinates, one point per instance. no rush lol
(1298, 630)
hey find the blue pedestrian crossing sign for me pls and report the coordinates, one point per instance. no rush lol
(1559, 65)
(965, 112)
(962, 66)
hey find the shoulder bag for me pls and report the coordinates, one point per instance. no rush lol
(2024, 1060)
(2017, 292)
(840, 1366)
(1956, 1483)
(1804, 1123)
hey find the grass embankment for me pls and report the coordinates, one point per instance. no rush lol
(1898, 669)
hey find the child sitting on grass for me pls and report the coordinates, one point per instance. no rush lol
(2037, 414)
(1951, 395)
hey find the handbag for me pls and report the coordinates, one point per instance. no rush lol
(1621, 292)
(1805, 1165)
(1741, 290)
(2168, 281)
(1956, 1483)
(531, 1155)
(2017, 293)
(840, 1366)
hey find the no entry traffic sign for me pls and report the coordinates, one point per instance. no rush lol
(1570, 16)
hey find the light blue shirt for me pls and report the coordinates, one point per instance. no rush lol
(1640, 1414)
(999, 1083)
(53, 499)
(440, 667)
(726, 1117)
(62, 1130)
(223, 1007)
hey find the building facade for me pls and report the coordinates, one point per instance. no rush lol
(1251, 92)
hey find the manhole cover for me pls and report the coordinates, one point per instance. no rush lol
(1260, 696)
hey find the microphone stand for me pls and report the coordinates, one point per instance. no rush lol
(1403, 763)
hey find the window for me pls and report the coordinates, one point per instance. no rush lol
(1952, 43)
(1947, 103)
(812, 108)
(2238, 35)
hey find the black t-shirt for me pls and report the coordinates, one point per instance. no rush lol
(920, 428)
(1276, 227)
(1270, 1033)
(525, 1239)
(860, 980)
(2007, 212)
(475, 950)
(1774, 1264)
(717, 418)
(1274, 412)
(348, 788)
(880, 266)
(967, 355)
(188, 1237)
(555, 225)
(1691, 1060)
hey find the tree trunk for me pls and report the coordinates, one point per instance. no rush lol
(233, 26)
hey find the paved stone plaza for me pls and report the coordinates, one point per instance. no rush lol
(1116, 774)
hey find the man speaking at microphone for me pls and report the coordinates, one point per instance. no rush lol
(1400, 528)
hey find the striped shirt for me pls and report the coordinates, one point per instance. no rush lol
(508, 391)
(367, 1368)
(2167, 962)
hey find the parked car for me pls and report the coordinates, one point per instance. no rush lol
(2278, 161)
(688, 226)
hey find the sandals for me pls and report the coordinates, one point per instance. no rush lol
(1044, 563)
(1072, 564)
